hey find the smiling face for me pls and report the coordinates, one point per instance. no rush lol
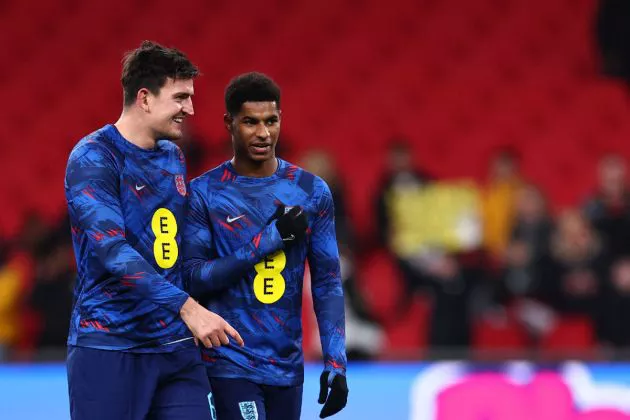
(166, 110)
(254, 130)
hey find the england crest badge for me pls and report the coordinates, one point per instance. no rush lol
(180, 183)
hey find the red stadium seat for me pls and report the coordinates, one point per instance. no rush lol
(490, 335)
(571, 335)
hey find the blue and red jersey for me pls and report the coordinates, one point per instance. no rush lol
(238, 265)
(126, 206)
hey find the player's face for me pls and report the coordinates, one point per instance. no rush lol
(170, 107)
(255, 130)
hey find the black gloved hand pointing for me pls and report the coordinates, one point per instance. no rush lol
(292, 225)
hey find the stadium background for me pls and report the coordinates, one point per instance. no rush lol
(478, 153)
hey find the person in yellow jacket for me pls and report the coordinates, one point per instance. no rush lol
(498, 202)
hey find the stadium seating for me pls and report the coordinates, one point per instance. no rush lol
(458, 78)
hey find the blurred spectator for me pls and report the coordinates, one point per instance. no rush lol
(319, 163)
(498, 198)
(432, 230)
(609, 209)
(401, 178)
(364, 336)
(573, 276)
(451, 279)
(528, 246)
(18, 324)
(614, 329)
(52, 294)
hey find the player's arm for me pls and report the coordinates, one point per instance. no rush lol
(328, 302)
(92, 182)
(204, 271)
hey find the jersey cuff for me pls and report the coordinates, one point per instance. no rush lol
(178, 301)
(269, 242)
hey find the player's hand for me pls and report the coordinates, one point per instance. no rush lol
(208, 327)
(336, 399)
(292, 225)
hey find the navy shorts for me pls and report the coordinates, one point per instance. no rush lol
(238, 399)
(108, 385)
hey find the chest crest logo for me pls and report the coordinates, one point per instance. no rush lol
(180, 183)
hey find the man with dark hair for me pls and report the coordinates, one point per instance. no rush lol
(252, 224)
(131, 354)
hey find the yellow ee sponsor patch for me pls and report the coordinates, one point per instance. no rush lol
(269, 285)
(164, 226)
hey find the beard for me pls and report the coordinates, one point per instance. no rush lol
(169, 131)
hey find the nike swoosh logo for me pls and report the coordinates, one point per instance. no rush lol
(290, 238)
(233, 219)
(140, 187)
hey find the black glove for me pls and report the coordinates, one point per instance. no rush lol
(292, 225)
(338, 396)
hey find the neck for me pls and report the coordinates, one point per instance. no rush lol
(132, 129)
(248, 167)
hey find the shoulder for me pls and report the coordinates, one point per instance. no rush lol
(209, 180)
(95, 149)
(173, 152)
(313, 185)
(322, 193)
(297, 175)
(213, 176)
(170, 147)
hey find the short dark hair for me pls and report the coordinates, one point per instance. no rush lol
(250, 87)
(149, 65)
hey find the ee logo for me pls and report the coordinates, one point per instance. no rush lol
(269, 285)
(164, 227)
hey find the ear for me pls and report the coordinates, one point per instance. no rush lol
(227, 122)
(142, 99)
(279, 115)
